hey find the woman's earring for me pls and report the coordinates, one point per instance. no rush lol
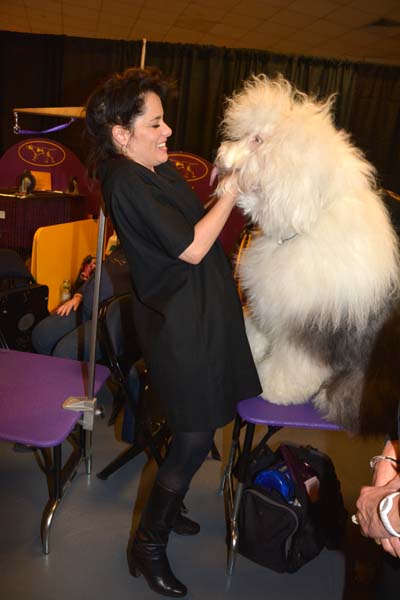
(124, 149)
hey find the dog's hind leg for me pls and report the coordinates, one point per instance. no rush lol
(360, 402)
(339, 399)
(290, 376)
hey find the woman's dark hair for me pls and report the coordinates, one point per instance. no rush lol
(118, 101)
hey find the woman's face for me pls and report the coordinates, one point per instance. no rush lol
(147, 143)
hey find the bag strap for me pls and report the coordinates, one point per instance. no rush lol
(299, 471)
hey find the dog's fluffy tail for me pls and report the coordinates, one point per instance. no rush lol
(339, 400)
(366, 401)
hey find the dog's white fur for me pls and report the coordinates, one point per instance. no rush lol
(323, 269)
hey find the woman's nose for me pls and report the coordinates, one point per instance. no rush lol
(167, 130)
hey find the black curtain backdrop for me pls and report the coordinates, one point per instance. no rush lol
(45, 70)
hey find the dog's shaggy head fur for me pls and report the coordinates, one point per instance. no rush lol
(273, 133)
(322, 276)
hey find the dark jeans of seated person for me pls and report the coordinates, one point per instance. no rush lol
(64, 336)
(66, 332)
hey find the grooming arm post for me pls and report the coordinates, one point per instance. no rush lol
(87, 404)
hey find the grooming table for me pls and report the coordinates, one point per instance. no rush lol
(252, 412)
(33, 388)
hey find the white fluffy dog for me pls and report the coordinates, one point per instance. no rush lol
(321, 276)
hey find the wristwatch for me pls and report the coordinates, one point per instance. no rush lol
(385, 506)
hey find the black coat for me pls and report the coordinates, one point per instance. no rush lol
(188, 317)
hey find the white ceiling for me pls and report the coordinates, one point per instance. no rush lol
(356, 30)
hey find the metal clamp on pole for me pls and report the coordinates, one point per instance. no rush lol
(85, 405)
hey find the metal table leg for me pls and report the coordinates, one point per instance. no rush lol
(59, 476)
(55, 497)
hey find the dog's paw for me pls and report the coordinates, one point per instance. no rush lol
(279, 391)
(290, 377)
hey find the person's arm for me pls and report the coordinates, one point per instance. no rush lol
(71, 304)
(208, 229)
(386, 470)
(386, 480)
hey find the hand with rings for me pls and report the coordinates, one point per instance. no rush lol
(368, 516)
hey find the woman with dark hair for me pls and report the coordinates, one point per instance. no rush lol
(187, 312)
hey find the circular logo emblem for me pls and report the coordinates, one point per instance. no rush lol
(191, 167)
(41, 153)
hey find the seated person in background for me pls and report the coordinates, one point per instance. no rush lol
(66, 332)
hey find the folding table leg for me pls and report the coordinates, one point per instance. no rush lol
(234, 530)
(58, 476)
(88, 454)
(227, 473)
(121, 460)
(54, 500)
(233, 542)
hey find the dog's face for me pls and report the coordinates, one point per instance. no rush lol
(250, 121)
(287, 158)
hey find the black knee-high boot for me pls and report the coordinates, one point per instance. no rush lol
(147, 552)
(185, 526)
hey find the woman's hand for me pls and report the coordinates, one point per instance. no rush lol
(386, 480)
(369, 519)
(227, 184)
(71, 304)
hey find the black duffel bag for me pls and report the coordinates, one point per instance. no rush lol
(285, 529)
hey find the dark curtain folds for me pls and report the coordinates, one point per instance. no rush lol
(375, 122)
(40, 70)
(47, 70)
(31, 75)
(84, 66)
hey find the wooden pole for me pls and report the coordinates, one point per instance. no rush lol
(143, 55)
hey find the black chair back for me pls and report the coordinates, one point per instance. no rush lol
(120, 347)
(117, 335)
(13, 270)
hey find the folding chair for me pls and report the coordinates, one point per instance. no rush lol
(23, 302)
(252, 412)
(119, 344)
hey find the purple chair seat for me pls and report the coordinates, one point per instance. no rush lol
(261, 412)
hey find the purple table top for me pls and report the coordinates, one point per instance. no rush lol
(32, 390)
(261, 412)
